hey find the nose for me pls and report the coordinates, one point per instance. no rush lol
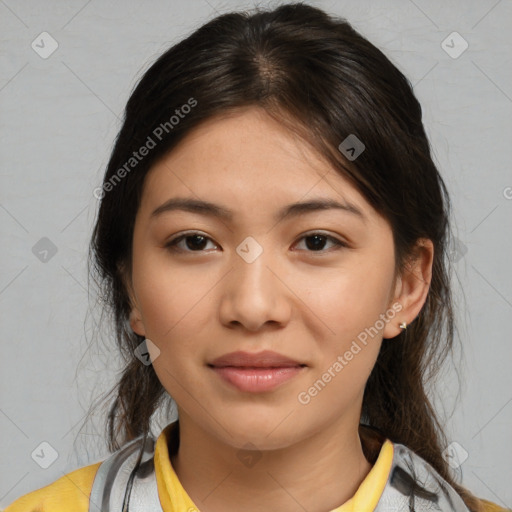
(254, 294)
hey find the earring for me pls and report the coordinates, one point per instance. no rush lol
(403, 326)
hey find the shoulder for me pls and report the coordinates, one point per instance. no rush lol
(408, 469)
(70, 492)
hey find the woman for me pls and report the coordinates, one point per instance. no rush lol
(299, 369)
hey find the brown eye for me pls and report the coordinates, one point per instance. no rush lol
(315, 242)
(194, 242)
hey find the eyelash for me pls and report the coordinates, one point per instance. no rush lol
(172, 244)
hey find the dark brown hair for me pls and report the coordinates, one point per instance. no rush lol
(319, 77)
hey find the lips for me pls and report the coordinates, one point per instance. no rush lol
(256, 373)
(265, 359)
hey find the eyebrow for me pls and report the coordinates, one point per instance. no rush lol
(292, 210)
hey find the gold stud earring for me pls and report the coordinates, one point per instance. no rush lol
(403, 326)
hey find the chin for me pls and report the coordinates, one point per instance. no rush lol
(259, 441)
(264, 435)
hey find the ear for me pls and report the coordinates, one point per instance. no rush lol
(136, 322)
(411, 287)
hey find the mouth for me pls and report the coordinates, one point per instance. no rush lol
(257, 379)
(256, 372)
(264, 359)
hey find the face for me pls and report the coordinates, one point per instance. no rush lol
(315, 286)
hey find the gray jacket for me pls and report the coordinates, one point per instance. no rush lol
(413, 484)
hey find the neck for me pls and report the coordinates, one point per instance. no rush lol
(317, 474)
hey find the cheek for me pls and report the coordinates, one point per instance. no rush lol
(351, 299)
(349, 307)
(176, 306)
(172, 311)
(167, 295)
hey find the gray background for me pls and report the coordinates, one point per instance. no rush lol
(59, 119)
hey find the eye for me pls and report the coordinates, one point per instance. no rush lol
(317, 241)
(196, 242)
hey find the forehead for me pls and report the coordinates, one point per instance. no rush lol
(250, 162)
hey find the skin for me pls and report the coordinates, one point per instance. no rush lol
(307, 304)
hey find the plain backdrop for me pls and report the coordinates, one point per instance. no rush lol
(59, 117)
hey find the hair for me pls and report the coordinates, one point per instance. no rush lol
(324, 81)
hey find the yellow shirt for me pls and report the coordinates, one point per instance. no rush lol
(71, 492)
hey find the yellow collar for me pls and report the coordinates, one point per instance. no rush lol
(174, 498)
